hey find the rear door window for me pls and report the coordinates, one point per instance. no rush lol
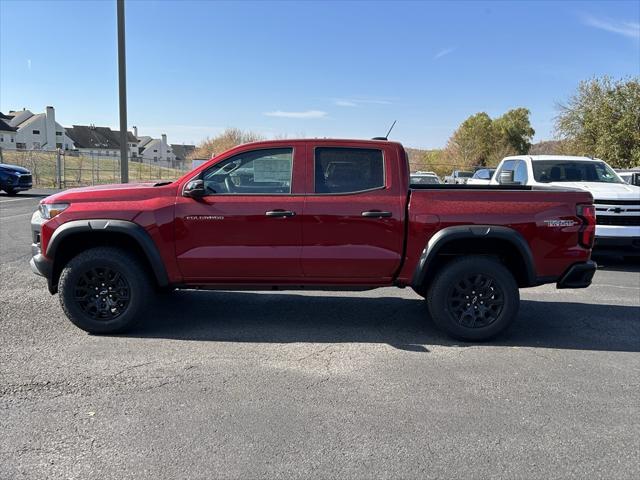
(348, 170)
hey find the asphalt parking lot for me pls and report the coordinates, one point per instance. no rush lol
(315, 384)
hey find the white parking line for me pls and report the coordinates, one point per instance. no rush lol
(16, 216)
(20, 199)
(615, 286)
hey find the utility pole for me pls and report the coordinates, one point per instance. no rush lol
(122, 81)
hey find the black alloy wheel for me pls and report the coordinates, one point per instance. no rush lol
(102, 293)
(473, 298)
(105, 290)
(475, 301)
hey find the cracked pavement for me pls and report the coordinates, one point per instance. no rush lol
(316, 384)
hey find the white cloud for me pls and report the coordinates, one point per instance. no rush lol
(345, 103)
(29, 63)
(444, 52)
(627, 29)
(358, 101)
(305, 114)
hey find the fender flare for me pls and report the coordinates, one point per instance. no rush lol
(131, 229)
(444, 236)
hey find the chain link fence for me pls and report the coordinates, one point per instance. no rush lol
(73, 169)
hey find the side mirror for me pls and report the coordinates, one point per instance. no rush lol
(506, 178)
(194, 189)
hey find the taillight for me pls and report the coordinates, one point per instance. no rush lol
(587, 233)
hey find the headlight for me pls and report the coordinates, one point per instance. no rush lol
(50, 210)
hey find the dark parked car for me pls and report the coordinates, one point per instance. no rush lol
(14, 179)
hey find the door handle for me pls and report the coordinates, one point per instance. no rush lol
(280, 213)
(376, 214)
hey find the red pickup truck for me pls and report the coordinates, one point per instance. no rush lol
(317, 214)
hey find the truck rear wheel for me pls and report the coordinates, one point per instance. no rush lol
(104, 290)
(473, 298)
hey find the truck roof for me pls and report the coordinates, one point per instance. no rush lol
(331, 141)
(534, 158)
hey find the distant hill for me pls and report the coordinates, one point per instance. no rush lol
(548, 147)
(416, 155)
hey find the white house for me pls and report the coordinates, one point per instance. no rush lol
(156, 150)
(7, 134)
(38, 131)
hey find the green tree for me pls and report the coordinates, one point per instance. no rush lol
(513, 130)
(602, 119)
(481, 141)
(473, 141)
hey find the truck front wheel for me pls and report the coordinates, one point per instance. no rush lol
(104, 290)
(473, 298)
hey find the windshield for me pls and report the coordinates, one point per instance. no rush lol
(546, 171)
(465, 174)
(484, 173)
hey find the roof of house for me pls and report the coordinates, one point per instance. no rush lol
(142, 141)
(29, 120)
(182, 151)
(5, 117)
(20, 117)
(85, 136)
(5, 127)
(130, 137)
(150, 143)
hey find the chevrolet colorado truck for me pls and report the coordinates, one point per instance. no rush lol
(315, 214)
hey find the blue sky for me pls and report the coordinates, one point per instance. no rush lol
(337, 69)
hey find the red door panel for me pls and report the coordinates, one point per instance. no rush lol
(228, 237)
(339, 241)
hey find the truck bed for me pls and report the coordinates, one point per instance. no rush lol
(525, 209)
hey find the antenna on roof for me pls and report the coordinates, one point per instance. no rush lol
(391, 128)
(386, 137)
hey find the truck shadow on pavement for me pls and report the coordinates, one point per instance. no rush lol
(399, 322)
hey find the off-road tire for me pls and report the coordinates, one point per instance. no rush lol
(495, 294)
(83, 273)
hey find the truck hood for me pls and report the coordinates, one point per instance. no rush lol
(114, 192)
(604, 191)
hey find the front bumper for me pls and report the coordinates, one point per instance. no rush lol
(578, 275)
(17, 188)
(617, 246)
(17, 183)
(40, 265)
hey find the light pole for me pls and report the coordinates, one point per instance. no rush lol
(122, 82)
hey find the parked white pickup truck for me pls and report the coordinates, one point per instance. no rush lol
(617, 203)
(458, 177)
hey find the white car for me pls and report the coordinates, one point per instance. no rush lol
(482, 176)
(424, 178)
(617, 203)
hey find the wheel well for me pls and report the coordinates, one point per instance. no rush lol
(504, 250)
(76, 243)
